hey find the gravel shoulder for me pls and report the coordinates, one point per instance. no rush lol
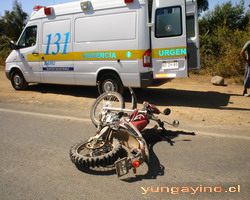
(192, 100)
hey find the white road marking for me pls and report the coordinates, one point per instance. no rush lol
(88, 120)
(45, 115)
(223, 135)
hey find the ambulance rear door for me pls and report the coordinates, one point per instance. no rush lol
(168, 39)
(192, 35)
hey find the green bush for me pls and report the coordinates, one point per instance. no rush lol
(220, 52)
(224, 31)
(4, 49)
(11, 26)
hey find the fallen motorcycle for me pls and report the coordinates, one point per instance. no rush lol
(118, 142)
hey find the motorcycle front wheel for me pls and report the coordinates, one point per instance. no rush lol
(108, 99)
(84, 156)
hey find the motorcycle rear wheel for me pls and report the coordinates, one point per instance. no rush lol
(108, 99)
(106, 155)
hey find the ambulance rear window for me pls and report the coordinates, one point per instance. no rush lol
(168, 22)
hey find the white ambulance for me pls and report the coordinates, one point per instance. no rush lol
(111, 44)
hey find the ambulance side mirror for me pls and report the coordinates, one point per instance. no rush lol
(13, 46)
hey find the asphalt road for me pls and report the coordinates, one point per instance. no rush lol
(201, 162)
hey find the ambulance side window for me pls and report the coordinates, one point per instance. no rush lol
(28, 38)
(168, 22)
(190, 26)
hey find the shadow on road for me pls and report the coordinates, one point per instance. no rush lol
(186, 98)
(152, 137)
(69, 90)
(155, 168)
(157, 96)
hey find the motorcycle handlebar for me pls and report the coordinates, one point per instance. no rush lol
(123, 110)
(167, 111)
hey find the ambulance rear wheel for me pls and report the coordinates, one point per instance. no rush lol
(18, 81)
(110, 82)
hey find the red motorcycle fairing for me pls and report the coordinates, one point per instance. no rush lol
(141, 124)
(139, 120)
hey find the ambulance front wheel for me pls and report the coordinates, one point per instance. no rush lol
(18, 81)
(110, 82)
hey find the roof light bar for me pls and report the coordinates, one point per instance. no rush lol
(37, 7)
(47, 10)
(85, 5)
(128, 1)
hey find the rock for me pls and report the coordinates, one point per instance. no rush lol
(217, 80)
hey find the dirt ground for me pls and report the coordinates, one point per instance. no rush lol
(191, 99)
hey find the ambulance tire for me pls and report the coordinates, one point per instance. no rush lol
(110, 82)
(18, 81)
(87, 158)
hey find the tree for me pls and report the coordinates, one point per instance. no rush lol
(13, 22)
(223, 32)
(225, 15)
(11, 26)
(202, 5)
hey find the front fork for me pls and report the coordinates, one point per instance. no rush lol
(100, 137)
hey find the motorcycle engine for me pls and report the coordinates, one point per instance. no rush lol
(110, 118)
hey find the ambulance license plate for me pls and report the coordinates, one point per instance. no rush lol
(122, 167)
(170, 65)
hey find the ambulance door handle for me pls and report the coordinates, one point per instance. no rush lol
(35, 53)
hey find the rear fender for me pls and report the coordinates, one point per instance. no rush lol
(129, 136)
